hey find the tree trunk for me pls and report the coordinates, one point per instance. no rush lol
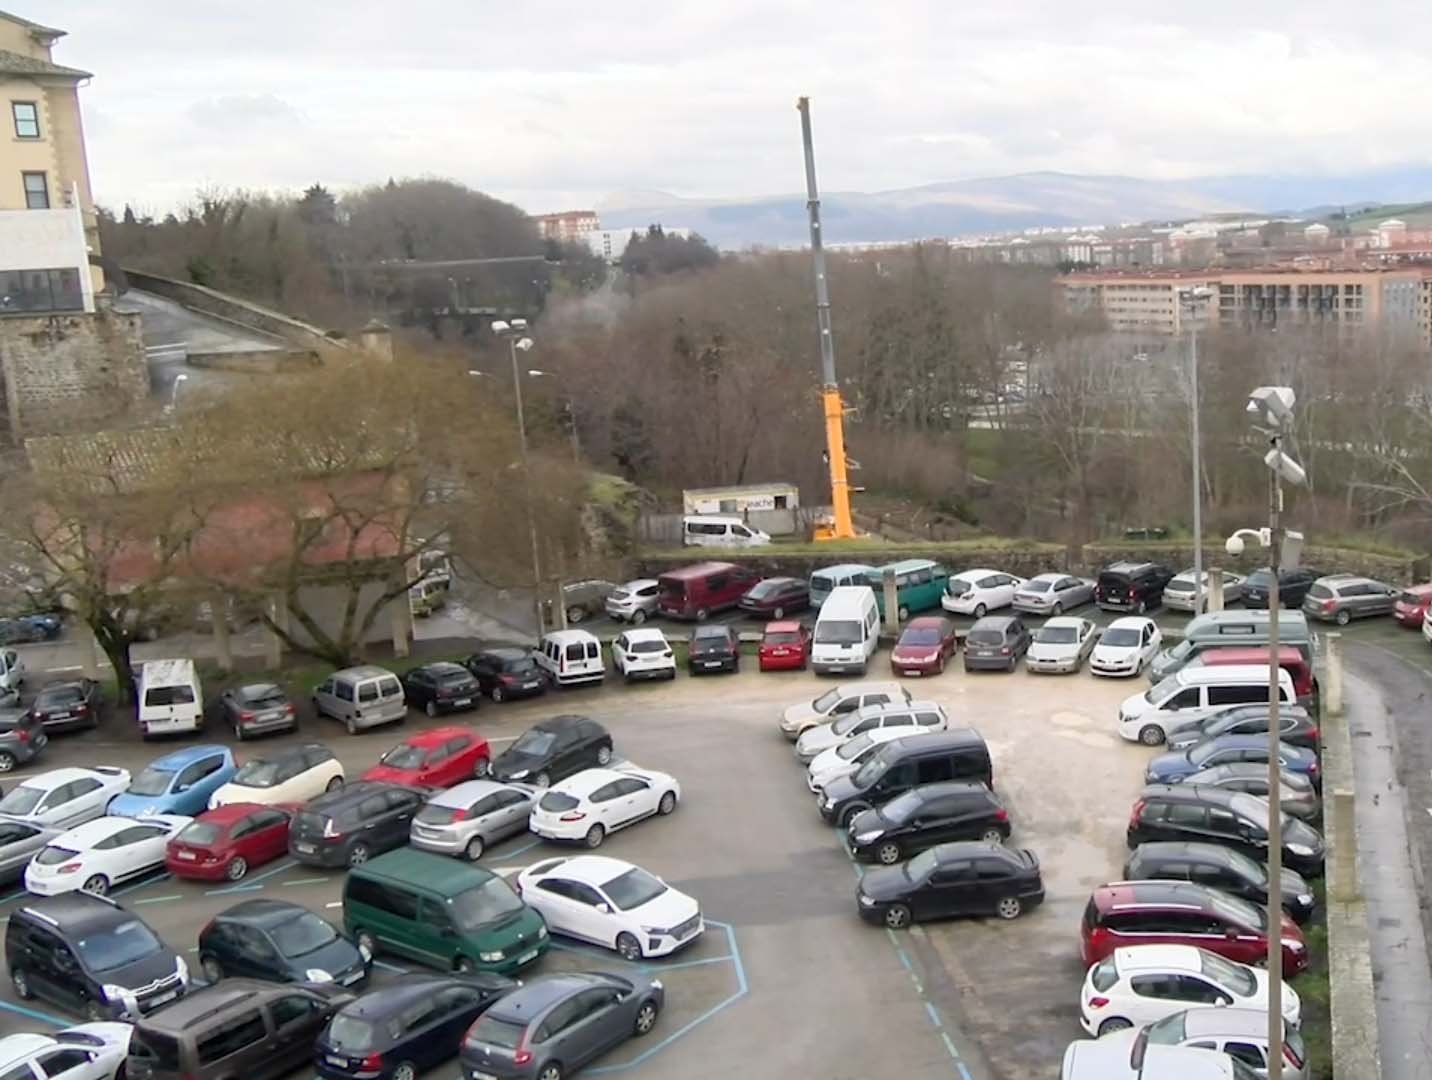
(115, 643)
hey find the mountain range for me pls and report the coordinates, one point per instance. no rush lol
(1007, 203)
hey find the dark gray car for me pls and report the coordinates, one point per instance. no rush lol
(1297, 795)
(256, 709)
(996, 643)
(22, 737)
(554, 1024)
(1340, 598)
(20, 841)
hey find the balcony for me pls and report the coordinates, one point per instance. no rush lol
(44, 262)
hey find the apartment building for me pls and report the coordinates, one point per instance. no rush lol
(567, 225)
(48, 228)
(1136, 302)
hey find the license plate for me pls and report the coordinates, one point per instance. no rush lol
(460, 702)
(162, 999)
(307, 849)
(342, 1063)
(914, 674)
(711, 663)
(482, 1076)
(187, 856)
(530, 685)
(527, 957)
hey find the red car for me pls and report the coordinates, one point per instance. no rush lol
(222, 844)
(438, 758)
(785, 646)
(925, 646)
(1412, 604)
(1183, 913)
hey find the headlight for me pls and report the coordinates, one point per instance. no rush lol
(491, 957)
(1301, 849)
(655, 931)
(542, 931)
(317, 975)
(182, 970)
(365, 952)
(113, 993)
(521, 774)
(867, 836)
(1293, 945)
(657, 984)
(866, 901)
(1305, 899)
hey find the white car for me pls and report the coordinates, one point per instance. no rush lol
(595, 802)
(633, 602)
(643, 653)
(611, 903)
(1241, 1033)
(64, 798)
(844, 759)
(837, 701)
(912, 717)
(1178, 594)
(1100, 1059)
(1145, 983)
(102, 853)
(1126, 647)
(1061, 645)
(84, 1052)
(292, 775)
(976, 592)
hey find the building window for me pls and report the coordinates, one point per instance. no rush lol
(26, 291)
(27, 119)
(37, 191)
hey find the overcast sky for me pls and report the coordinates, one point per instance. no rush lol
(559, 104)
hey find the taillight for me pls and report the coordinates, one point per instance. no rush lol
(81, 708)
(1136, 812)
(522, 1056)
(1328, 605)
(459, 815)
(1001, 814)
(507, 680)
(22, 735)
(1004, 651)
(1098, 1002)
(246, 716)
(1312, 768)
(289, 708)
(575, 815)
(372, 1063)
(70, 867)
(41, 717)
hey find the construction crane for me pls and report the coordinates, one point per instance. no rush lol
(841, 527)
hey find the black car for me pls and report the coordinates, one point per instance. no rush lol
(1214, 815)
(279, 942)
(347, 826)
(256, 709)
(87, 954)
(1131, 586)
(68, 706)
(713, 647)
(402, 1031)
(1293, 586)
(996, 643)
(902, 764)
(553, 750)
(503, 674)
(441, 687)
(965, 878)
(1221, 867)
(925, 816)
(1295, 727)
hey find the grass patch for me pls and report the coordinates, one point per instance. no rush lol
(877, 547)
(1313, 988)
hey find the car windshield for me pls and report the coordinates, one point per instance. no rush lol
(920, 635)
(534, 742)
(1056, 635)
(118, 945)
(257, 773)
(21, 800)
(1226, 973)
(898, 810)
(152, 781)
(484, 904)
(837, 631)
(1161, 691)
(844, 724)
(302, 935)
(849, 751)
(199, 833)
(518, 666)
(871, 771)
(350, 1034)
(825, 701)
(262, 696)
(985, 637)
(649, 645)
(763, 589)
(1239, 911)
(1036, 586)
(404, 756)
(1261, 577)
(1182, 649)
(53, 855)
(1120, 636)
(1168, 1031)
(782, 637)
(919, 868)
(632, 889)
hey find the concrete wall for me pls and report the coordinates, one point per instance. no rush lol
(1395, 570)
(1024, 561)
(326, 603)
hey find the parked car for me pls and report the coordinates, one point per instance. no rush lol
(553, 749)
(713, 647)
(64, 798)
(1340, 598)
(437, 758)
(925, 646)
(1295, 727)
(1412, 605)
(978, 592)
(996, 642)
(703, 589)
(465, 819)
(1191, 693)
(506, 673)
(1170, 768)
(402, 1031)
(963, 878)
(776, 597)
(293, 774)
(1216, 815)
(1221, 868)
(177, 783)
(919, 586)
(441, 687)
(1240, 1035)
(914, 717)
(582, 599)
(1061, 645)
(1182, 913)
(1131, 586)
(611, 903)
(844, 759)
(68, 706)
(22, 738)
(101, 854)
(1293, 586)
(785, 646)
(1142, 985)
(836, 702)
(899, 765)
(277, 941)
(20, 842)
(925, 816)
(1292, 659)
(1296, 793)
(1126, 647)
(22, 631)
(562, 1020)
(643, 653)
(1052, 594)
(225, 843)
(1179, 594)
(349, 826)
(256, 709)
(586, 807)
(1099, 1059)
(84, 1052)
(634, 602)
(361, 698)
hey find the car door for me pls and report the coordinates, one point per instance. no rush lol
(951, 890)
(62, 809)
(936, 822)
(418, 687)
(463, 755)
(19, 842)
(296, 1020)
(259, 955)
(397, 817)
(131, 852)
(1148, 643)
(434, 766)
(509, 816)
(592, 1029)
(189, 794)
(265, 836)
(591, 922)
(569, 754)
(457, 1007)
(555, 899)
(993, 882)
(67, 1063)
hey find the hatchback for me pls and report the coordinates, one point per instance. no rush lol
(978, 592)
(925, 816)
(102, 853)
(69, 705)
(1412, 605)
(1126, 647)
(643, 653)
(785, 646)
(348, 826)
(1221, 868)
(1170, 768)
(1184, 812)
(776, 597)
(1240, 1033)
(633, 602)
(1293, 586)
(554, 749)
(21, 738)
(177, 783)
(437, 758)
(256, 709)
(964, 878)
(225, 843)
(996, 642)
(279, 942)
(1061, 645)
(1296, 794)
(1340, 598)
(293, 774)
(713, 647)
(506, 673)
(586, 807)
(467, 819)
(1295, 727)
(925, 646)
(64, 798)
(441, 687)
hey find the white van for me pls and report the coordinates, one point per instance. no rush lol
(847, 630)
(570, 657)
(699, 531)
(1192, 693)
(170, 698)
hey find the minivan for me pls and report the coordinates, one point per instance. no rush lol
(1193, 693)
(1131, 586)
(702, 531)
(847, 631)
(919, 585)
(827, 578)
(694, 592)
(361, 698)
(955, 754)
(350, 824)
(1290, 658)
(450, 915)
(571, 657)
(1232, 628)
(170, 699)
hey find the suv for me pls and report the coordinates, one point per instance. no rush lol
(1293, 587)
(87, 954)
(1222, 868)
(1340, 598)
(956, 754)
(713, 647)
(1131, 586)
(349, 825)
(239, 1027)
(1220, 816)
(504, 673)
(925, 816)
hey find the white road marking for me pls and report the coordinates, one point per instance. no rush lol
(333, 904)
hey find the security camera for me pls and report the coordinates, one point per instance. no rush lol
(1273, 403)
(521, 324)
(500, 327)
(1233, 545)
(1285, 467)
(523, 343)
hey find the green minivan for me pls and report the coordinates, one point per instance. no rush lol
(445, 913)
(919, 584)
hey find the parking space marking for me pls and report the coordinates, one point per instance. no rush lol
(155, 880)
(304, 881)
(390, 967)
(159, 899)
(333, 904)
(934, 1015)
(32, 1014)
(249, 883)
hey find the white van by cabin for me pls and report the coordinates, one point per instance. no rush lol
(701, 531)
(847, 630)
(170, 698)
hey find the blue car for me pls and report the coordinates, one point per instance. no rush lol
(177, 783)
(1176, 765)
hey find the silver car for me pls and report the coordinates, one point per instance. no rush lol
(634, 602)
(1178, 594)
(20, 841)
(1053, 594)
(1340, 598)
(1296, 794)
(465, 819)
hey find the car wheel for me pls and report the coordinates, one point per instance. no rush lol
(475, 848)
(365, 943)
(238, 867)
(212, 969)
(1151, 735)
(498, 695)
(98, 884)
(850, 814)
(95, 1012)
(980, 610)
(431, 708)
(638, 617)
(7, 761)
(550, 1071)
(645, 1018)
(1114, 1023)
(464, 965)
(404, 1071)
(482, 768)
(1343, 617)
(334, 784)
(701, 614)
(667, 804)
(595, 835)
(358, 855)
(604, 754)
(628, 948)
(1008, 907)
(21, 982)
(238, 733)
(992, 836)
(888, 853)
(1057, 609)
(576, 614)
(940, 667)
(897, 917)
(1142, 607)
(351, 725)
(902, 613)
(778, 613)
(542, 779)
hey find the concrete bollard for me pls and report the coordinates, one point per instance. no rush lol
(1342, 878)
(219, 612)
(892, 603)
(1332, 688)
(1213, 599)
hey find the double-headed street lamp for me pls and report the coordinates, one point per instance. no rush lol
(1191, 302)
(515, 331)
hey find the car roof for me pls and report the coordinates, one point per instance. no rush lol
(639, 583)
(443, 667)
(844, 568)
(879, 708)
(228, 813)
(782, 578)
(55, 777)
(927, 622)
(76, 910)
(351, 792)
(1153, 893)
(1127, 566)
(68, 684)
(1052, 575)
(1073, 622)
(1254, 742)
(1424, 589)
(263, 912)
(994, 622)
(1129, 622)
(933, 740)
(196, 1007)
(97, 829)
(18, 1047)
(952, 787)
(588, 780)
(467, 792)
(713, 630)
(569, 637)
(966, 849)
(437, 872)
(167, 672)
(1247, 654)
(783, 626)
(506, 652)
(382, 1001)
(438, 735)
(362, 671)
(561, 723)
(1191, 792)
(593, 869)
(1242, 1023)
(645, 633)
(1157, 958)
(258, 689)
(701, 569)
(975, 571)
(536, 995)
(178, 759)
(1188, 850)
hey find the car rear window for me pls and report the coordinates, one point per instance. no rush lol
(522, 664)
(160, 1052)
(390, 687)
(493, 1031)
(1321, 592)
(200, 833)
(1113, 581)
(557, 801)
(649, 646)
(576, 651)
(985, 637)
(1106, 974)
(59, 697)
(438, 815)
(349, 1034)
(169, 695)
(308, 821)
(1179, 585)
(782, 637)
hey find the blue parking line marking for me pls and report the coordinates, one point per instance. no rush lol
(159, 899)
(249, 882)
(140, 884)
(658, 966)
(950, 1046)
(15, 896)
(582, 950)
(519, 850)
(44, 1018)
(304, 881)
(905, 960)
(934, 1015)
(390, 967)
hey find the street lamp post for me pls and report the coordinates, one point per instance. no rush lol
(179, 380)
(1192, 301)
(571, 407)
(515, 332)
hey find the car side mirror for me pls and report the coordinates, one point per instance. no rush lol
(1230, 933)
(179, 789)
(605, 909)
